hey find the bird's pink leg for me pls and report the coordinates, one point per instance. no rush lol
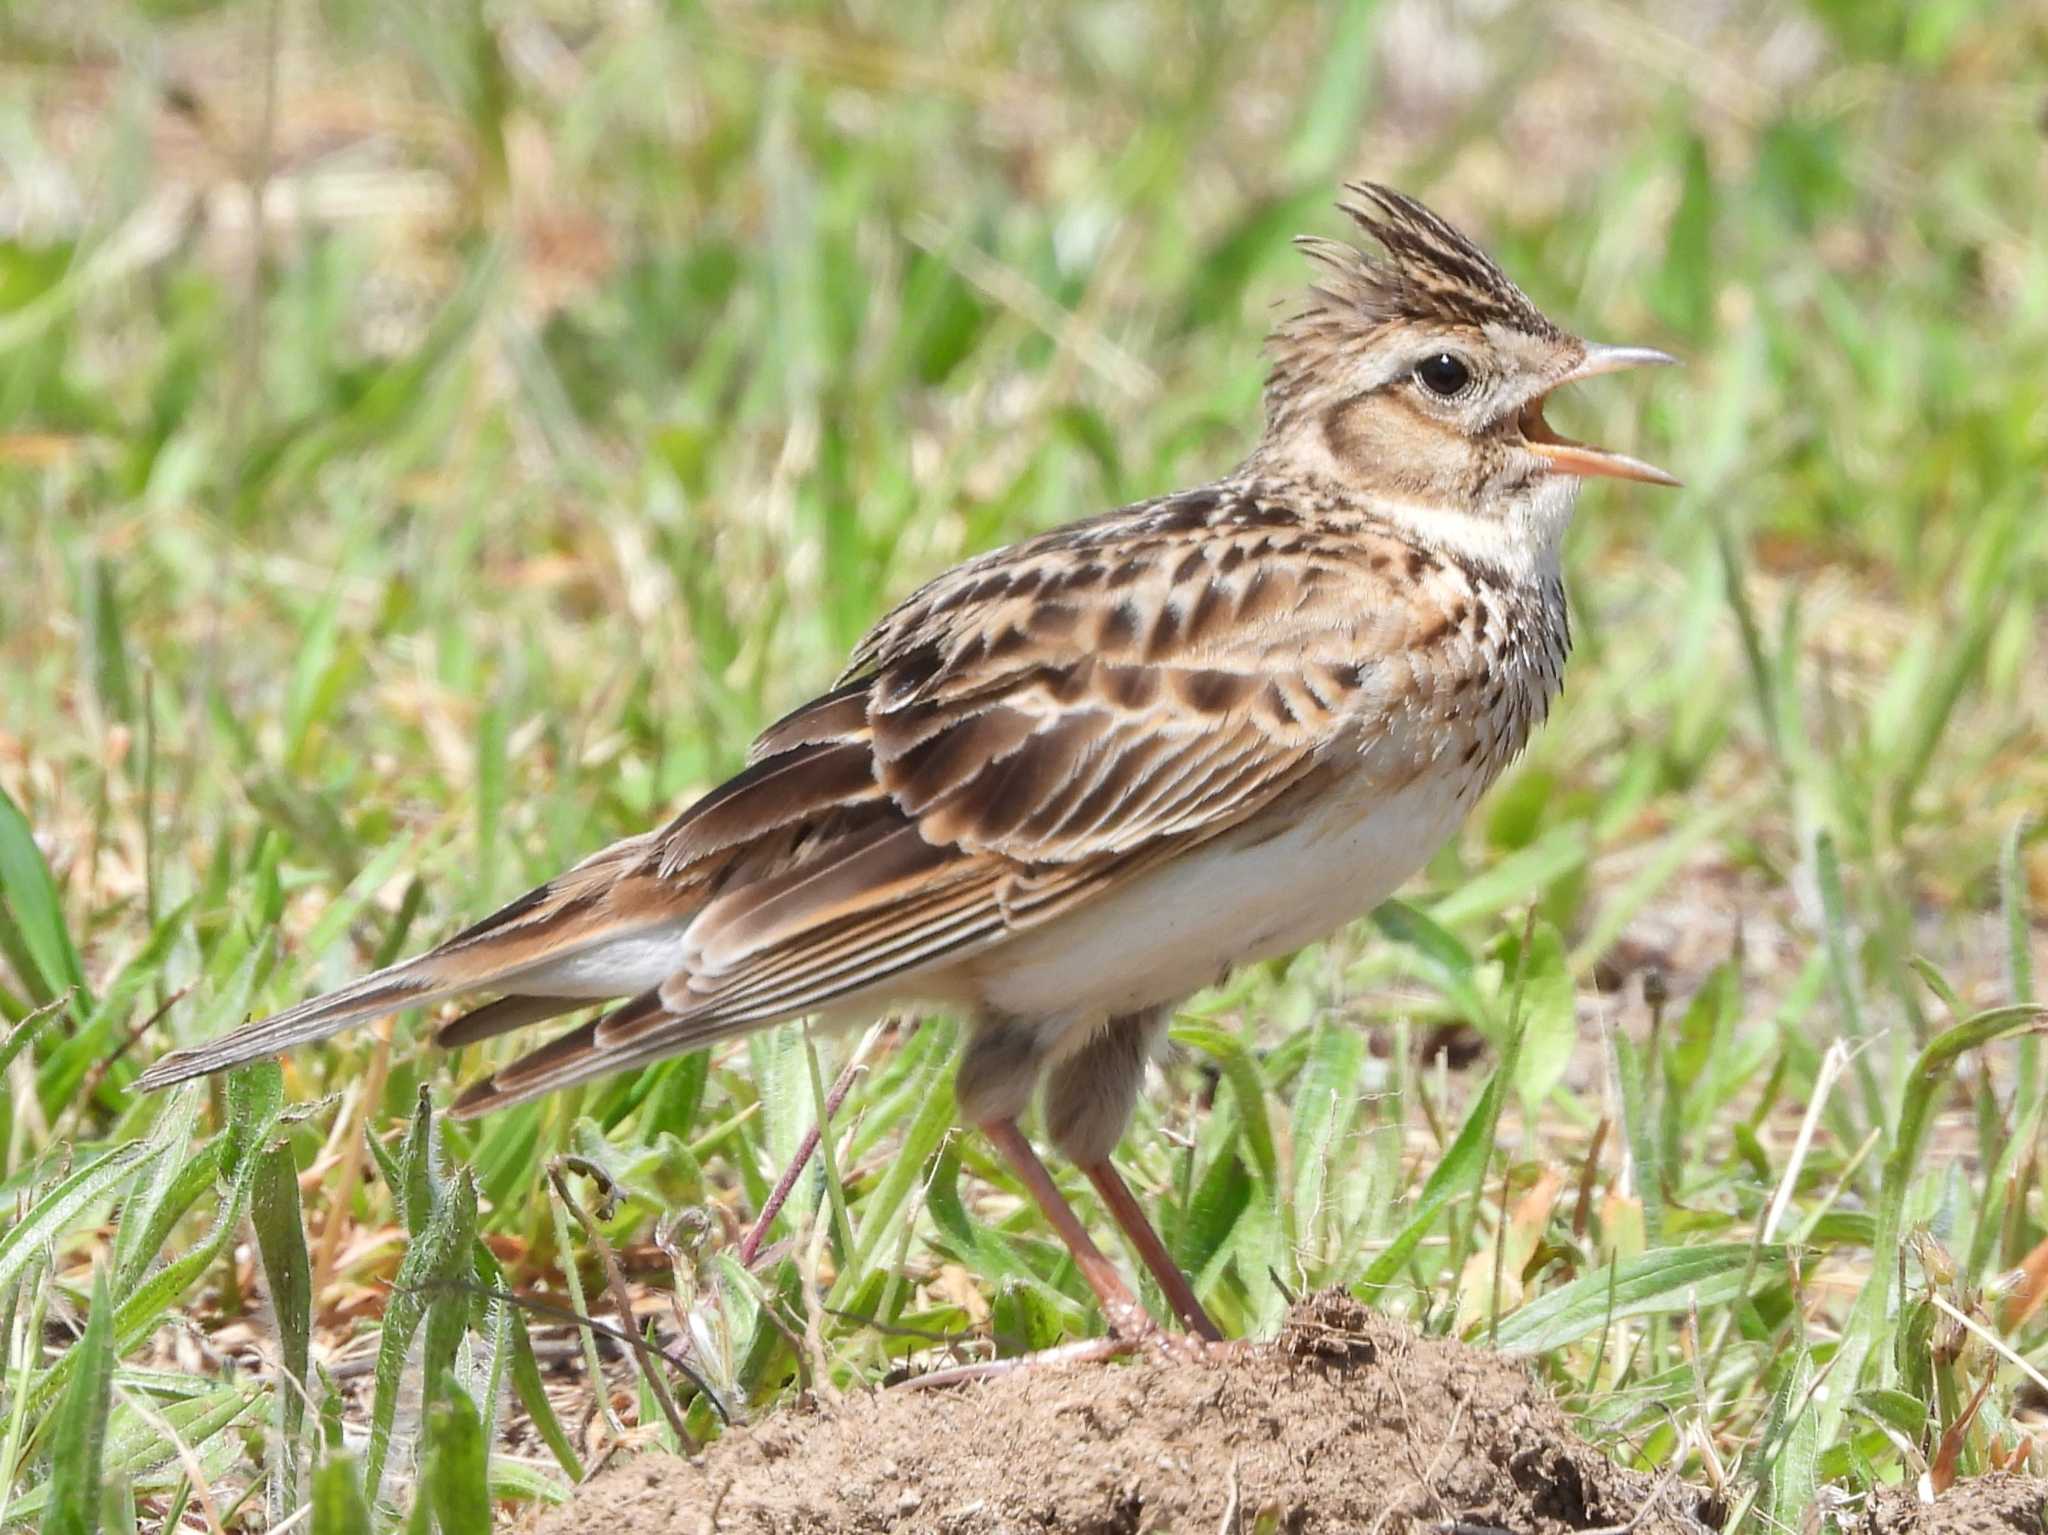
(1131, 1217)
(1120, 1307)
(1129, 1325)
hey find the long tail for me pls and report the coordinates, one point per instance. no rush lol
(387, 991)
(563, 936)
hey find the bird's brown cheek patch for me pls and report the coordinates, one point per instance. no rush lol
(1380, 438)
(1348, 431)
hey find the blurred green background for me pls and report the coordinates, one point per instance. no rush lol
(433, 438)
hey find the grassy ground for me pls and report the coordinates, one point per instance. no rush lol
(601, 372)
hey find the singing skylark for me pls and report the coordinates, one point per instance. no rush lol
(1067, 784)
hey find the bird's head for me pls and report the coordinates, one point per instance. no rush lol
(1416, 378)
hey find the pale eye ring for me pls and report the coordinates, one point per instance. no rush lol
(1443, 374)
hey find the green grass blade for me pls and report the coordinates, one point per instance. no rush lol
(2019, 961)
(1325, 1101)
(1864, 1334)
(79, 1434)
(2012, 891)
(338, 1504)
(1639, 1123)
(138, 1446)
(1521, 877)
(458, 1468)
(29, 894)
(255, 1100)
(432, 1287)
(1248, 1090)
(1550, 1021)
(361, 890)
(1326, 132)
(166, 1188)
(53, 1217)
(1791, 1447)
(106, 651)
(1445, 962)
(25, 1033)
(532, 1392)
(828, 1156)
(516, 1481)
(20, 1377)
(1461, 1169)
(1672, 854)
(1834, 912)
(889, 1202)
(288, 1272)
(71, 1063)
(1663, 1282)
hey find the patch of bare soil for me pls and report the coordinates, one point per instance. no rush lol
(2000, 1504)
(1347, 1422)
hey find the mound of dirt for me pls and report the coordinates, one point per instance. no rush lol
(1347, 1422)
(1987, 1505)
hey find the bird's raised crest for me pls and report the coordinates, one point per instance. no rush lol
(1424, 273)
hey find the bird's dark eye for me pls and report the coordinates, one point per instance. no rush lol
(1443, 374)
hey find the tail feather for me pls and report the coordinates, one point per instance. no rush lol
(525, 941)
(632, 1034)
(502, 1017)
(387, 991)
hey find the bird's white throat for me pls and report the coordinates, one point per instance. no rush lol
(1522, 538)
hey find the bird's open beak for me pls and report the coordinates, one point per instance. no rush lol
(1568, 457)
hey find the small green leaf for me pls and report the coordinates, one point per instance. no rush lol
(416, 1177)
(255, 1100)
(1025, 1317)
(106, 652)
(985, 1250)
(1519, 879)
(1868, 1326)
(1639, 1122)
(1248, 1090)
(532, 1392)
(1445, 962)
(137, 1446)
(435, 1285)
(1907, 1414)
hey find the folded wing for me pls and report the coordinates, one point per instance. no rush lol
(1015, 739)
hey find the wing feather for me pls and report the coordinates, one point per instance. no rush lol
(1026, 766)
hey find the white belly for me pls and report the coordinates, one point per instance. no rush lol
(1180, 927)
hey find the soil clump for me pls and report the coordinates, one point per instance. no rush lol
(1346, 1422)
